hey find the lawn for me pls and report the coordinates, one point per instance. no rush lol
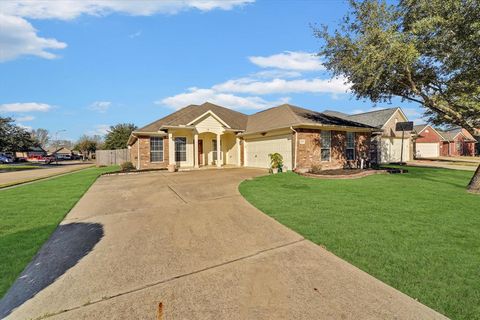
(10, 168)
(30, 213)
(419, 232)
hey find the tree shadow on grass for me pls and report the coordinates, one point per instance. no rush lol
(68, 244)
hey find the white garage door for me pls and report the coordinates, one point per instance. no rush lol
(427, 150)
(257, 151)
(390, 150)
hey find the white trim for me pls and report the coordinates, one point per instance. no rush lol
(212, 114)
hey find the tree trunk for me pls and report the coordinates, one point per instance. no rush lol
(474, 185)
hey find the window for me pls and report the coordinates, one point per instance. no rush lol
(180, 149)
(156, 149)
(350, 151)
(458, 146)
(325, 144)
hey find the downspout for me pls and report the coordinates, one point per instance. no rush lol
(295, 152)
(138, 153)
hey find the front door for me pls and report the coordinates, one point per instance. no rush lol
(200, 152)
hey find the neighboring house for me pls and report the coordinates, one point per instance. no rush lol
(428, 142)
(207, 134)
(457, 142)
(60, 153)
(31, 153)
(386, 141)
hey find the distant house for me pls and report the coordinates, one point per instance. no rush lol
(31, 153)
(431, 142)
(458, 142)
(428, 142)
(386, 143)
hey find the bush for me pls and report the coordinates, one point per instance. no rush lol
(276, 160)
(127, 166)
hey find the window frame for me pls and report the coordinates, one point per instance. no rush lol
(177, 152)
(351, 147)
(162, 151)
(329, 145)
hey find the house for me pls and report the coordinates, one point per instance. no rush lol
(207, 134)
(428, 142)
(31, 153)
(458, 142)
(61, 152)
(386, 141)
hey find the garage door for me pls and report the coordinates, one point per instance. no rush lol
(257, 151)
(427, 150)
(391, 149)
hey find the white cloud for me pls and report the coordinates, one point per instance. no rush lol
(253, 86)
(290, 60)
(101, 130)
(26, 118)
(100, 106)
(28, 128)
(272, 74)
(135, 34)
(199, 96)
(25, 107)
(18, 37)
(71, 9)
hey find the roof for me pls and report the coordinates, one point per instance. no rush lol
(337, 114)
(374, 118)
(234, 119)
(287, 115)
(449, 135)
(419, 127)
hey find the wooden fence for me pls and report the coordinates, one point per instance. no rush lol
(111, 157)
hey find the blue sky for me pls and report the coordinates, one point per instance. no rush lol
(83, 66)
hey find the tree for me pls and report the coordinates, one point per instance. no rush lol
(40, 136)
(87, 145)
(424, 51)
(118, 135)
(14, 138)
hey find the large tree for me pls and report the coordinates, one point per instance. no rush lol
(424, 51)
(40, 136)
(13, 137)
(88, 144)
(118, 135)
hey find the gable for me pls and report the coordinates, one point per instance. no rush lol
(209, 123)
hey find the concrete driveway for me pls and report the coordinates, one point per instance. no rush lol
(188, 246)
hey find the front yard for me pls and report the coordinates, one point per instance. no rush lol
(419, 232)
(30, 213)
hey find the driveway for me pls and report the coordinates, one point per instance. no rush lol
(188, 246)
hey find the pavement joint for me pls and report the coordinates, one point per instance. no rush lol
(246, 257)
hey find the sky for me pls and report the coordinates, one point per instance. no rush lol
(79, 67)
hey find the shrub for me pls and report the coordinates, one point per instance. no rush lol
(276, 160)
(127, 166)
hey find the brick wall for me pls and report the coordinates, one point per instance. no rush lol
(145, 162)
(428, 136)
(308, 149)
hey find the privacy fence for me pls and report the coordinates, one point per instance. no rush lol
(111, 157)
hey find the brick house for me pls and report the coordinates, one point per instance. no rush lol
(211, 135)
(431, 142)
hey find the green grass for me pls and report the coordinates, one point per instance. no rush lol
(419, 232)
(30, 213)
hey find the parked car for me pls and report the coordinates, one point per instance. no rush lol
(41, 158)
(5, 159)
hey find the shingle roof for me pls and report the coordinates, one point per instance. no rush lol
(236, 120)
(374, 118)
(337, 114)
(286, 115)
(419, 127)
(448, 135)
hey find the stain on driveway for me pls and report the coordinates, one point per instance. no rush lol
(190, 241)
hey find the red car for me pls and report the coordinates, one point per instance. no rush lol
(40, 158)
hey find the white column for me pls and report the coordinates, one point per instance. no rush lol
(219, 152)
(239, 161)
(171, 149)
(195, 150)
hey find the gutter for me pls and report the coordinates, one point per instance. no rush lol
(295, 151)
(362, 129)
